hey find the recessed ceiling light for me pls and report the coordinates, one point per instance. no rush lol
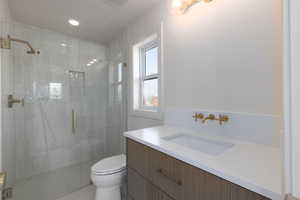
(74, 22)
(63, 45)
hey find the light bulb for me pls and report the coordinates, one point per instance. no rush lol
(177, 3)
(74, 22)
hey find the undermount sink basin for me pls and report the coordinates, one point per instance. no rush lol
(204, 145)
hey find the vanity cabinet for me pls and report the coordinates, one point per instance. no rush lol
(141, 189)
(153, 175)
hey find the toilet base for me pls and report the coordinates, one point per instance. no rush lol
(108, 193)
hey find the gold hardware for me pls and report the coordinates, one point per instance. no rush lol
(209, 117)
(185, 5)
(2, 180)
(11, 101)
(73, 122)
(222, 119)
(198, 116)
(164, 173)
(6, 44)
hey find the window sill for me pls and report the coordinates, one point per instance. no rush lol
(148, 114)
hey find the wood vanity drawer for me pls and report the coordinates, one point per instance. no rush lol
(140, 188)
(129, 197)
(157, 194)
(137, 186)
(205, 186)
(138, 157)
(166, 173)
(238, 193)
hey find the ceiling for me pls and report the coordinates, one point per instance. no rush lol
(100, 20)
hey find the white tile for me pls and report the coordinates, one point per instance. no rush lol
(87, 193)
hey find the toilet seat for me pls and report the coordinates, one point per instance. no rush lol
(110, 165)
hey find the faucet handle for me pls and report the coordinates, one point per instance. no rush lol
(222, 119)
(197, 116)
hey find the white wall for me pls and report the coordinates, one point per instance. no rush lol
(295, 95)
(224, 56)
(4, 10)
(120, 49)
(138, 31)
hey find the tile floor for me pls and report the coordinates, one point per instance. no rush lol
(86, 193)
(53, 184)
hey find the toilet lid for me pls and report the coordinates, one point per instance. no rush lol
(110, 165)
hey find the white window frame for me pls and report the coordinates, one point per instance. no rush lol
(139, 76)
(144, 77)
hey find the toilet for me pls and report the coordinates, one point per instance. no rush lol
(108, 175)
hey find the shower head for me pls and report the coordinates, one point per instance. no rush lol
(6, 44)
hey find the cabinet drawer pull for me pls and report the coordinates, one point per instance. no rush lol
(164, 174)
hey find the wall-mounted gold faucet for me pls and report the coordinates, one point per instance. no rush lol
(221, 118)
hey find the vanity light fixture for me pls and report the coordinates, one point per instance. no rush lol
(74, 22)
(182, 6)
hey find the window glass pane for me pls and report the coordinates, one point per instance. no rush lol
(151, 61)
(150, 93)
(120, 72)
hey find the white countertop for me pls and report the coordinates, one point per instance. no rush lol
(252, 166)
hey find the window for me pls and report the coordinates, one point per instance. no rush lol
(149, 77)
(146, 75)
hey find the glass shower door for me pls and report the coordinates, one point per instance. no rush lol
(56, 129)
(46, 128)
(117, 108)
(42, 152)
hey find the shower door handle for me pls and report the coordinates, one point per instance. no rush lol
(73, 122)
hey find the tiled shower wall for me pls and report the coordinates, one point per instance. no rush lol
(38, 138)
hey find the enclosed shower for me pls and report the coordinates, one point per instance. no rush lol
(64, 110)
